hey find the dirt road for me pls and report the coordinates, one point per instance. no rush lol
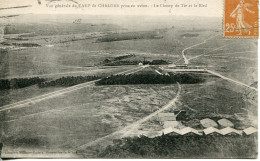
(186, 61)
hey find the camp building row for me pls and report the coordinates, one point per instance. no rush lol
(209, 131)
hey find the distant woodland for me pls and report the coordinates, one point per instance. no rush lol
(16, 83)
(184, 78)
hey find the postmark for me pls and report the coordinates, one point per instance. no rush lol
(241, 18)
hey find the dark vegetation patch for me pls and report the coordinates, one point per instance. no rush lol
(121, 60)
(130, 36)
(150, 79)
(3, 51)
(26, 44)
(35, 142)
(17, 38)
(213, 99)
(123, 57)
(68, 81)
(116, 59)
(182, 147)
(135, 62)
(16, 83)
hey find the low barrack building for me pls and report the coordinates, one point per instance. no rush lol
(208, 123)
(171, 131)
(250, 130)
(152, 134)
(225, 123)
(189, 131)
(212, 131)
(230, 131)
(162, 117)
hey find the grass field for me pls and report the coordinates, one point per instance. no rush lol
(79, 117)
(216, 99)
(238, 58)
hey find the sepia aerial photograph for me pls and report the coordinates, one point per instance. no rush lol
(126, 86)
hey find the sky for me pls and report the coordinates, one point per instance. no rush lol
(214, 7)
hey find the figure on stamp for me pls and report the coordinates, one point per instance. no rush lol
(239, 13)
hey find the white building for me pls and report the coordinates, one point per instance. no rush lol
(189, 130)
(230, 131)
(171, 131)
(250, 130)
(212, 131)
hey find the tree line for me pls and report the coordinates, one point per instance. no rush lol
(68, 81)
(183, 78)
(16, 83)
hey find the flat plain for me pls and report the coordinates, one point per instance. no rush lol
(82, 116)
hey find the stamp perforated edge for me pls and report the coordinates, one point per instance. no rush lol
(237, 37)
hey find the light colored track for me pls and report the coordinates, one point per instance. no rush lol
(195, 57)
(186, 61)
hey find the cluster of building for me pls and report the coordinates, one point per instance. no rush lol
(208, 131)
(209, 127)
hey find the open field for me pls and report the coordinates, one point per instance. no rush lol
(82, 116)
(217, 99)
(70, 56)
(233, 58)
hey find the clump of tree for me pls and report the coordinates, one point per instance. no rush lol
(184, 78)
(182, 147)
(68, 81)
(16, 83)
(123, 57)
(158, 62)
(122, 62)
(108, 62)
(116, 59)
